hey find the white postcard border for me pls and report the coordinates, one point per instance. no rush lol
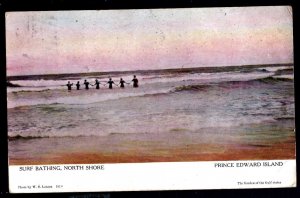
(152, 176)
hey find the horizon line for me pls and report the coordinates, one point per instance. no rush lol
(145, 70)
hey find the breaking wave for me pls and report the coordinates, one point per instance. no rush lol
(95, 97)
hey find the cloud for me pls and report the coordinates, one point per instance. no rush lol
(72, 41)
(25, 55)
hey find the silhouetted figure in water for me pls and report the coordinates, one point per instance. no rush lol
(122, 83)
(69, 85)
(97, 83)
(86, 83)
(110, 82)
(135, 81)
(78, 85)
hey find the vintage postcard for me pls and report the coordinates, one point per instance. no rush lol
(150, 99)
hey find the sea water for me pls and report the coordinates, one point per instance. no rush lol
(239, 103)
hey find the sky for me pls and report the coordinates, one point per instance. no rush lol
(52, 42)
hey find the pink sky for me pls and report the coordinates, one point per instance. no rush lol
(113, 40)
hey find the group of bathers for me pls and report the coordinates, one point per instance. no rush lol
(110, 83)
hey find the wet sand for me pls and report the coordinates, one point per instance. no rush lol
(131, 149)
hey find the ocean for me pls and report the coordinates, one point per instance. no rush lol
(197, 112)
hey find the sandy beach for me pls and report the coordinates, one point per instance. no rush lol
(282, 150)
(172, 147)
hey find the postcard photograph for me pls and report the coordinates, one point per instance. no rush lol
(150, 85)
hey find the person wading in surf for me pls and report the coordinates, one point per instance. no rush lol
(97, 83)
(135, 81)
(86, 83)
(110, 82)
(122, 83)
(69, 85)
(78, 85)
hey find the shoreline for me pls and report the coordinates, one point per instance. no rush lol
(195, 152)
